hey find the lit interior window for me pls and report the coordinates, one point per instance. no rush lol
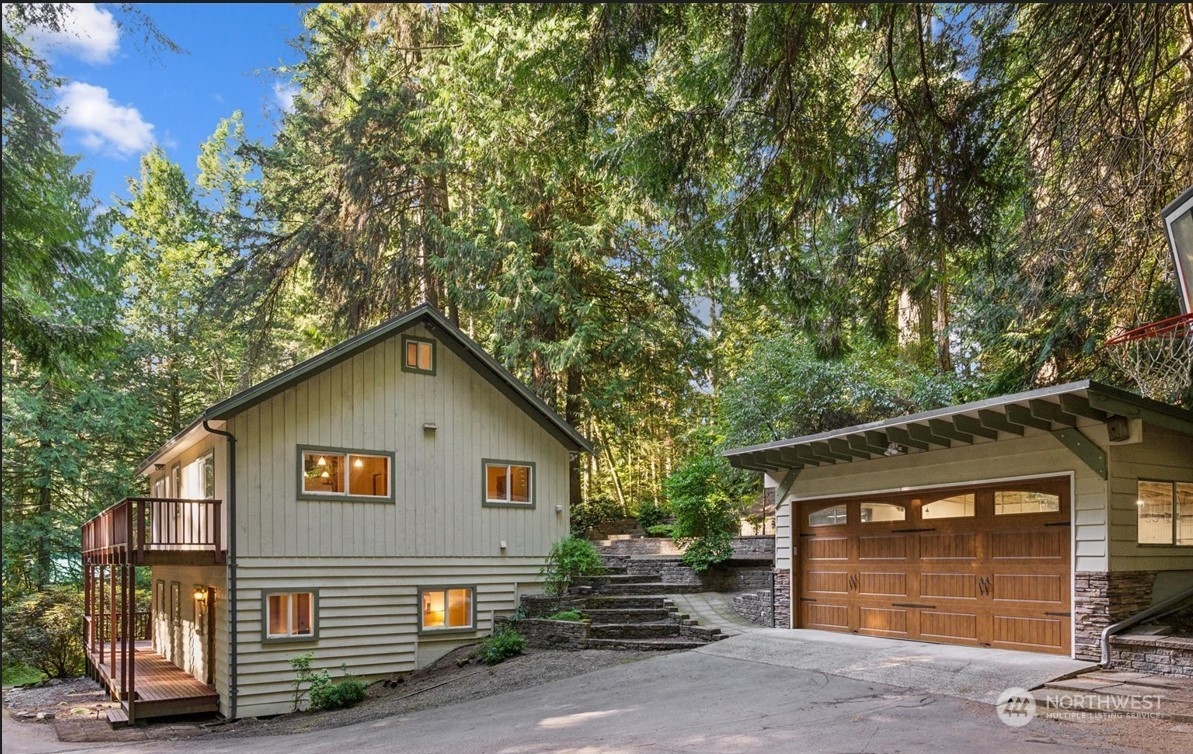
(447, 608)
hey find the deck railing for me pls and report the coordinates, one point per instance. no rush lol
(139, 525)
(142, 626)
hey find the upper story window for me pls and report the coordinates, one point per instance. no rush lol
(1165, 513)
(418, 355)
(509, 483)
(330, 472)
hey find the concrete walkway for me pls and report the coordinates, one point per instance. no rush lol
(713, 610)
(977, 674)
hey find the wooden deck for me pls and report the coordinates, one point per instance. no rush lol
(162, 688)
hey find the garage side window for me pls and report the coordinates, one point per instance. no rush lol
(1165, 513)
(828, 516)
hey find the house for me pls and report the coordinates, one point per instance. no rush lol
(1029, 521)
(376, 505)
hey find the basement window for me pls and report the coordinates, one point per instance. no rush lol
(290, 616)
(447, 609)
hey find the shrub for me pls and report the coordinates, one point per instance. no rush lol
(650, 515)
(346, 693)
(568, 615)
(569, 558)
(661, 530)
(44, 630)
(324, 693)
(502, 645)
(706, 497)
(593, 512)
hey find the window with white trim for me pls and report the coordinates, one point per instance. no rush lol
(346, 473)
(290, 615)
(451, 608)
(509, 483)
(1165, 512)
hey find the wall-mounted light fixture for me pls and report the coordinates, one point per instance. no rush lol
(559, 509)
(893, 449)
(429, 427)
(200, 593)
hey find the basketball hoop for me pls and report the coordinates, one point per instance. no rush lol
(1158, 356)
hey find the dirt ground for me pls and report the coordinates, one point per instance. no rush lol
(76, 707)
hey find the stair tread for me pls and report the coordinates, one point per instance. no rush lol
(117, 717)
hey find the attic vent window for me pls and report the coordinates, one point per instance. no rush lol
(418, 355)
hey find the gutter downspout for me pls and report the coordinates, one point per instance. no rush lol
(1156, 610)
(231, 565)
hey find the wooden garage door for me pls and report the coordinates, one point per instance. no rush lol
(981, 565)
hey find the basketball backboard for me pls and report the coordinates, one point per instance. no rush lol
(1178, 222)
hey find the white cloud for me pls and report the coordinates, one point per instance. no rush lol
(89, 33)
(284, 94)
(102, 123)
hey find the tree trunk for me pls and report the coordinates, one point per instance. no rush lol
(571, 413)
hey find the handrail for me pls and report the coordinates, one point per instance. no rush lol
(144, 524)
(1172, 604)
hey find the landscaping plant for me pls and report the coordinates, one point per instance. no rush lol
(570, 557)
(706, 498)
(44, 630)
(502, 645)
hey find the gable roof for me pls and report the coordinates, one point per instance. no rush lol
(447, 333)
(1052, 410)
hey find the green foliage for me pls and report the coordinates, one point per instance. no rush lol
(44, 631)
(782, 389)
(17, 674)
(592, 512)
(707, 497)
(569, 558)
(573, 616)
(502, 645)
(661, 530)
(650, 515)
(346, 693)
(324, 693)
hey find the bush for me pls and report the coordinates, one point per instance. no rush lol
(44, 631)
(569, 558)
(593, 512)
(662, 530)
(502, 645)
(569, 615)
(324, 693)
(650, 515)
(346, 693)
(707, 497)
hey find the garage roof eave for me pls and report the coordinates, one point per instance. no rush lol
(1053, 409)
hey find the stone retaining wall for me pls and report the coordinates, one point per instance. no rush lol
(541, 633)
(754, 607)
(1167, 655)
(1100, 599)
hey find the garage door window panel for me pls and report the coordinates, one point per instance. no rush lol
(832, 516)
(1013, 502)
(953, 506)
(882, 512)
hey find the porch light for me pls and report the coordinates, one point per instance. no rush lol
(200, 593)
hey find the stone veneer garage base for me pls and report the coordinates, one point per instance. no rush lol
(1100, 599)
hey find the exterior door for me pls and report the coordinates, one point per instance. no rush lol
(983, 565)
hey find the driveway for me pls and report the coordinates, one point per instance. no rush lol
(696, 701)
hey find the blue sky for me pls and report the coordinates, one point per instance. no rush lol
(121, 97)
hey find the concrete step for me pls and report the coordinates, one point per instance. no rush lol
(648, 588)
(634, 630)
(645, 644)
(631, 615)
(117, 717)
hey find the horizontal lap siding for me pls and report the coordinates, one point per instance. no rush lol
(1162, 455)
(368, 616)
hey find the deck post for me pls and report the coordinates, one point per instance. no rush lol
(141, 535)
(131, 639)
(98, 630)
(112, 622)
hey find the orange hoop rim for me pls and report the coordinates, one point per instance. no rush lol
(1162, 328)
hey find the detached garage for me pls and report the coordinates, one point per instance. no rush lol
(1030, 521)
